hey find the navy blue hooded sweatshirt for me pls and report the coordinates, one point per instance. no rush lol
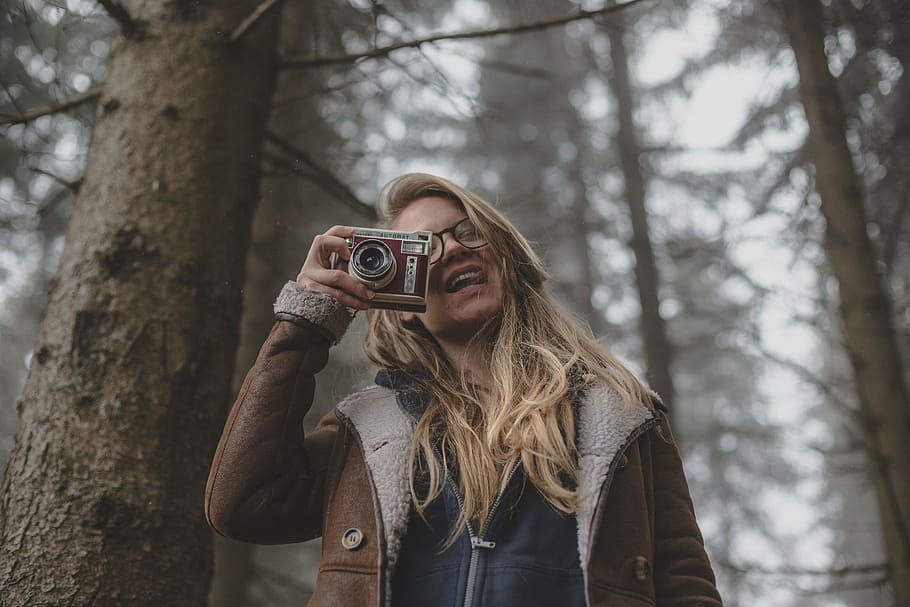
(527, 554)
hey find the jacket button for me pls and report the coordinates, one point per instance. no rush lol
(352, 538)
(642, 568)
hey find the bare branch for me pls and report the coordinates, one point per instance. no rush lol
(321, 176)
(811, 378)
(71, 185)
(540, 24)
(59, 106)
(836, 579)
(892, 231)
(9, 95)
(247, 24)
(515, 70)
(118, 12)
(51, 203)
(754, 568)
(869, 584)
(444, 85)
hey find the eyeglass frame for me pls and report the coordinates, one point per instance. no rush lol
(451, 230)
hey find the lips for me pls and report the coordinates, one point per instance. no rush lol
(462, 277)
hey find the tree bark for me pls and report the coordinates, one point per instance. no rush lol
(865, 307)
(657, 350)
(102, 502)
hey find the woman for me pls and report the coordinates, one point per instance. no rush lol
(502, 458)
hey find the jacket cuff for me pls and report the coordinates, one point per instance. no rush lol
(297, 303)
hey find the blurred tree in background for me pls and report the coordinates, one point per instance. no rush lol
(700, 261)
(883, 414)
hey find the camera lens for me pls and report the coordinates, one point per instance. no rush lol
(372, 261)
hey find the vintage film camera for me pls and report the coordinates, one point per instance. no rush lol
(394, 264)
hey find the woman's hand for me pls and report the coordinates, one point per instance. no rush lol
(316, 275)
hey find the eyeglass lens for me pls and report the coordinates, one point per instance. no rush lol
(465, 232)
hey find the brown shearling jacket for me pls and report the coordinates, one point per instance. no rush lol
(638, 540)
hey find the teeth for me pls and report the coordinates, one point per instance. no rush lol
(453, 284)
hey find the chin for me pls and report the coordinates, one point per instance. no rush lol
(483, 312)
(469, 321)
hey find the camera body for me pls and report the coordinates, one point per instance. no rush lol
(394, 264)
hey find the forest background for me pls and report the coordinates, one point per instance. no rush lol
(719, 188)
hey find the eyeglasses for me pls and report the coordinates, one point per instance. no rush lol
(464, 232)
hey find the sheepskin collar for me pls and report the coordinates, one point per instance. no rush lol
(383, 416)
(604, 429)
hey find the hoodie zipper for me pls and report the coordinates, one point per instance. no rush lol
(477, 541)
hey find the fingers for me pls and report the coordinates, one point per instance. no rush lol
(321, 249)
(343, 231)
(316, 274)
(331, 241)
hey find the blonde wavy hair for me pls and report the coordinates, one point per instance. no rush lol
(538, 357)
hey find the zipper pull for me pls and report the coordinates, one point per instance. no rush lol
(476, 542)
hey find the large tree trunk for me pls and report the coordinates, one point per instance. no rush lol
(865, 308)
(658, 354)
(102, 503)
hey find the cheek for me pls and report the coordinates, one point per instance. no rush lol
(435, 286)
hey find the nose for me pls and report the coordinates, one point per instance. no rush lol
(451, 247)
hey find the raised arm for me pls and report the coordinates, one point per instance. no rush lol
(266, 480)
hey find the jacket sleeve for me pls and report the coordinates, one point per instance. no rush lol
(682, 572)
(266, 481)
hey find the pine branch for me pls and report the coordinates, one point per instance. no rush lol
(521, 28)
(247, 24)
(118, 12)
(59, 106)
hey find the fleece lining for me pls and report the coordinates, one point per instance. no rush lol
(605, 426)
(385, 432)
(296, 303)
